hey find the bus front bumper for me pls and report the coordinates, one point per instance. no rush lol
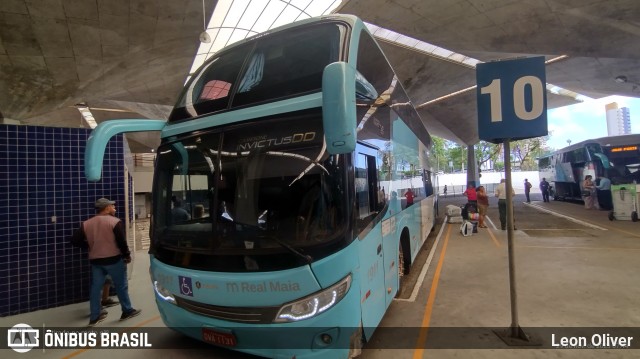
(329, 335)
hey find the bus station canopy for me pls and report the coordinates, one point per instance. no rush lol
(130, 58)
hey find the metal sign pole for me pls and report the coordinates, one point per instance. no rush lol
(512, 105)
(514, 335)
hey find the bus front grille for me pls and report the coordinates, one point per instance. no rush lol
(249, 315)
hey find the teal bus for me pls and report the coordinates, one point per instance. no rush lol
(279, 225)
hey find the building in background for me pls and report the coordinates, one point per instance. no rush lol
(618, 120)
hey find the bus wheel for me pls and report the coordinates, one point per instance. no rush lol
(634, 216)
(611, 216)
(356, 343)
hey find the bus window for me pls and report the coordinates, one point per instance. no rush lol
(290, 64)
(544, 162)
(372, 64)
(579, 155)
(428, 185)
(206, 91)
(362, 185)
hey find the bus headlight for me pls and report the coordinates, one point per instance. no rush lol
(163, 293)
(314, 304)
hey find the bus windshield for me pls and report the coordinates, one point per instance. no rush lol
(258, 197)
(271, 68)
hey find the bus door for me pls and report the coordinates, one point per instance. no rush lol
(372, 289)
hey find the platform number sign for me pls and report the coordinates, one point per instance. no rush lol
(512, 99)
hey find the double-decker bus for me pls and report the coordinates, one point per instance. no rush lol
(615, 157)
(287, 152)
(565, 169)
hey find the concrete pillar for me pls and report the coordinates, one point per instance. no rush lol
(472, 167)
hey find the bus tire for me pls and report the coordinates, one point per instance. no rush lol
(611, 216)
(634, 216)
(435, 219)
(406, 251)
(356, 343)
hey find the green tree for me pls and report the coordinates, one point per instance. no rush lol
(525, 152)
(486, 151)
(439, 152)
(456, 154)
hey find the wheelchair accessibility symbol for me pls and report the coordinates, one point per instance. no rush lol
(185, 286)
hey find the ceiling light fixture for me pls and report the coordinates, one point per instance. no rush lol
(204, 36)
(84, 110)
(624, 80)
(621, 79)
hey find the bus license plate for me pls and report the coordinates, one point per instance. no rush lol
(217, 337)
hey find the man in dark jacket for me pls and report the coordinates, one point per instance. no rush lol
(544, 188)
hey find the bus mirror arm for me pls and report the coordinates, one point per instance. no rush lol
(100, 136)
(364, 88)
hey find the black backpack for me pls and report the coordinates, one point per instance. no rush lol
(468, 208)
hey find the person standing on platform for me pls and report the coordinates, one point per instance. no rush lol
(108, 254)
(589, 193)
(483, 204)
(527, 189)
(544, 188)
(604, 193)
(501, 193)
(471, 194)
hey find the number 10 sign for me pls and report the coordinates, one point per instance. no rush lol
(512, 99)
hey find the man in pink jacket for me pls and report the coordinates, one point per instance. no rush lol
(108, 254)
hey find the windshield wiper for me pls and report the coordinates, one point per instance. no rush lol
(292, 249)
(307, 258)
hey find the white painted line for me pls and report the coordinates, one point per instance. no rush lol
(491, 222)
(572, 219)
(425, 267)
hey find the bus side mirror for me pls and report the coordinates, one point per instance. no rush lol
(339, 107)
(100, 136)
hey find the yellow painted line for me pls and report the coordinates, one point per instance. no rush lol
(493, 237)
(577, 247)
(80, 351)
(77, 352)
(422, 338)
(143, 323)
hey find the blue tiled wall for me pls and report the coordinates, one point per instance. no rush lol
(42, 176)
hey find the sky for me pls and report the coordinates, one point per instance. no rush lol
(587, 120)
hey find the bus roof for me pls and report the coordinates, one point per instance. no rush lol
(350, 19)
(608, 141)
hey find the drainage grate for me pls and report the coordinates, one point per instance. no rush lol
(557, 233)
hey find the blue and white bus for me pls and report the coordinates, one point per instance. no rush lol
(287, 151)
